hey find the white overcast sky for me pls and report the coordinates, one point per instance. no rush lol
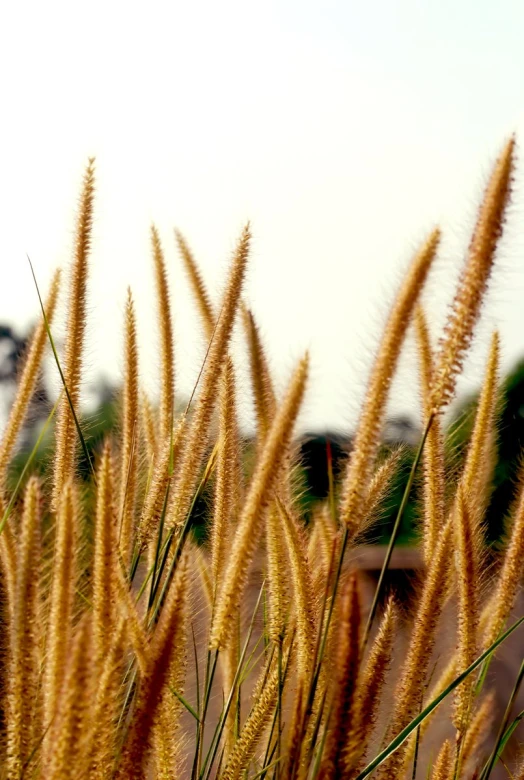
(344, 131)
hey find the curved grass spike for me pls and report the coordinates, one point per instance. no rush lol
(98, 744)
(367, 437)
(277, 579)
(433, 462)
(442, 767)
(345, 683)
(473, 282)
(28, 378)
(149, 428)
(7, 542)
(104, 559)
(24, 636)
(129, 446)
(304, 604)
(468, 576)
(153, 682)
(196, 441)
(27, 466)
(379, 486)
(73, 705)
(478, 730)
(249, 525)
(476, 477)
(167, 388)
(469, 506)
(227, 475)
(265, 406)
(167, 737)
(264, 395)
(180, 537)
(59, 626)
(370, 687)
(498, 609)
(160, 483)
(64, 464)
(197, 283)
(62, 378)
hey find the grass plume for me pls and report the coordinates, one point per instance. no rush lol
(474, 279)
(167, 349)
(66, 437)
(367, 436)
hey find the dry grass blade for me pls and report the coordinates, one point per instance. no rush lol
(160, 482)
(379, 486)
(149, 428)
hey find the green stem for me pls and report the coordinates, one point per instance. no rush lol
(62, 377)
(208, 763)
(502, 730)
(395, 531)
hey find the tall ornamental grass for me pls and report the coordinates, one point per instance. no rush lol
(131, 652)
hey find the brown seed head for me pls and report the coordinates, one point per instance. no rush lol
(473, 282)
(66, 435)
(367, 436)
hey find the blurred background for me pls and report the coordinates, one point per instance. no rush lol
(344, 131)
